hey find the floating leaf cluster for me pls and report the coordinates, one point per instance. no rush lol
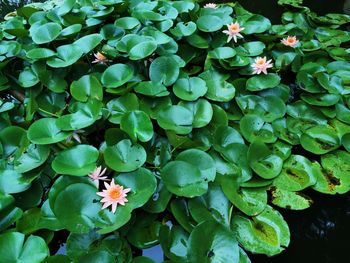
(148, 104)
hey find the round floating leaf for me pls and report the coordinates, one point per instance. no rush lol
(184, 29)
(82, 211)
(84, 115)
(218, 88)
(190, 89)
(142, 49)
(79, 160)
(256, 24)
(117, 75)
(209, 23)
(253, 127)
(159, 201)
(218, 246)
(183, 179)
(12, 138)
(189, 174)
(297, 174)
(262, 82)
(137, 125)
(164, 70)
(261, 159)
(120, 106)
(144, 233)
(125, 156)
(46, 131)
(346, 141)
(173, 240)
(152, 89)
(127, 22)
(176, 118)
(320, 139)
(212, 205)
(12, 182)
(253, 48)
(222, 53)
(45, 33)
(335, 176)
(250, 201)
(202, 112)
(88, 42)
(34, 156)
(142, 183)
(201, 160)
(290, 200)
(66, 56)
(86, 87)
(225, 135)
(266, 233)
(14, 248)
(40, 53)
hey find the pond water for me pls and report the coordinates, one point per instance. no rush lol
(320, 233)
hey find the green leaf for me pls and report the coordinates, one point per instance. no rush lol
(46, 131)
(290, 200)
(297, 174)
(137, 125)
(212, 205)
(85, 88)
(222, 53)
(82, 211)
(262, 160)
(190, 89)
(266, 233)
(218, 88)
(262, 82)
(34, 156)
(176, 118)
(117, 75)
(40, 53)
(79, 160)
(142, 183)
(45, 33)
(189, 174)
(202, 112)
(120, 106)
(152, 89)
(209, 23)
(219, 245)
(334, 177)
(88, 42)
(173, 240)
(127, 22)
(12, 182)
(256, 24)
(125, 156)
(164, 70)
(320, 139)
(14, 248)
(66, 56)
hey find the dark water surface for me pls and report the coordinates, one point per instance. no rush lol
(320, 234)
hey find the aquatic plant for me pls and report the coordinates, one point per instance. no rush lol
(201, 140)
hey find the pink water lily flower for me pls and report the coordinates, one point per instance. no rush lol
(100, 58)
(113, 195)
(233, 31)
(261, 65)
(290, 41)
(96, 175)
(211, 5)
